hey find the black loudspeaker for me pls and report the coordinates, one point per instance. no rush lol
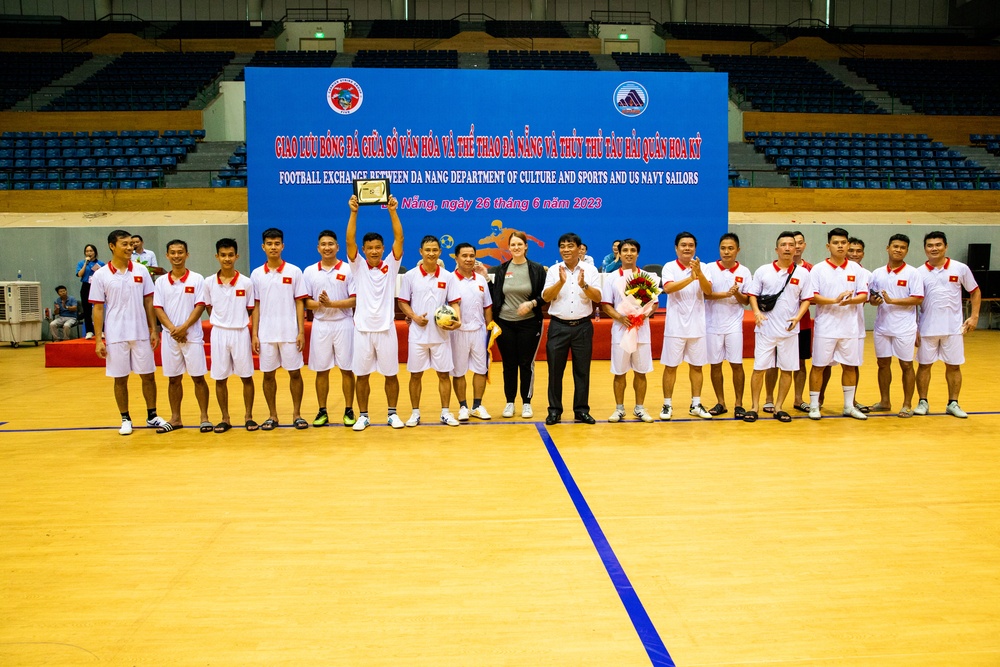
(989, 283)
(979, 256)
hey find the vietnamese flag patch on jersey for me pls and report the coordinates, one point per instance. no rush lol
(951, 279)
(739, 279)
(189, 289)
(241, 292)
(900, 283)
(441, 285)
(287, 280)
(482, 289)
(138, 279)
(850, 279)
(341, 276)
(794, 281)
(385, 268)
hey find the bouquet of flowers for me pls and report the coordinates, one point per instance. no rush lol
(641, 291)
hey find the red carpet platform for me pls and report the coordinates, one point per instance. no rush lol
(80, 352)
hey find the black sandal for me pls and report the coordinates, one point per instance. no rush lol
(251, 425)
(739, 412)
(269, 425)
(750, 416)
(222, 427)
(719, 409)
(783, 416)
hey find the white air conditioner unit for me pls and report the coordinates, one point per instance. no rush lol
(20, 312)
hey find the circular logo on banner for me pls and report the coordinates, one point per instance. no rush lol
(631, 98)
(344, 96)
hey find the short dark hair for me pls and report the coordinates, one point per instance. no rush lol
(327, 232)
(733, 237)
(272, 233)
(462, 246)
(784, 235)
(90, 245)
(118, 234)
(59, 287)
(582, 245)
(837, 231)
(430, 238)
(372, 236)
(683, 235)
(631, 242)
(618, 241)
(177, 242)
(900, 237)
(796, 233)
(570, 237)
(935, 235)
(854, 240)
(226, 243)
(136, 236)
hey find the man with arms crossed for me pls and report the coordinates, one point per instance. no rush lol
(425, 289)
(724, 321)
(837, 285)
(941, 327)
(639, 361)
(330, 284)
(777, 332)
(375, 344)
(684, 326)
(279, 332)
(178, 301)
(896, 290)
(229, 297)
(571, 291)
(122, 294)
(468, 344)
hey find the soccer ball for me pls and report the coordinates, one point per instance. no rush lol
(444, 316)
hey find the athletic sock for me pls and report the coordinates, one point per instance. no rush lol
(444, 411)
(620, 407)
(954, 400)
(365, 414)
(667, 402)
(849, 397)
(814, 400)
(695, 400)
(416, 411)
(150, 413)
(322, 410)
(347, 411)
(126, 417)
(639, 407)
(463, 404)
(392, 411)
(476, 402)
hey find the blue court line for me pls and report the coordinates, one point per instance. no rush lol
(650, 638)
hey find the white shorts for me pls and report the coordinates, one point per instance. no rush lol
(830, 351)
(179, 358)
(640, 361)
(129, 356)
(376, 351)
(468, 352)
(949, 349)
(279, 355)
(231, 353)
(331, 344)
(900, 347)
(677, 350)
(725, 347)
(782, 353)
(422, 356)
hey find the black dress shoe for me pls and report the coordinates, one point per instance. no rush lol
(584, 417)
(553, 418)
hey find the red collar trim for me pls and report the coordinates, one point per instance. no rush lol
(377, 266)
(947, 263)
(892, 270)
(461, 276)
(723, 268)
(114, 270)
(183, 279)
(842, 266)
(336, 267)
(268, 269)
(791, 267)
(423, 272)
(231, 283)
(683, 268)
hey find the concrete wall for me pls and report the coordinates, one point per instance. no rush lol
(225, 117)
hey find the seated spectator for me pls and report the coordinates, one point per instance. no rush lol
(612, 262)
(64, 313)
(584, 257)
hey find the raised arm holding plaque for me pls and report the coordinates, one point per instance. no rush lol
(372, 191)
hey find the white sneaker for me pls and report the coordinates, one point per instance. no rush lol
(412, 421)
(126, 428)
(814, 413)
(956, 411)
(508, 410)
(527, 412)
(922, 407)
(854, 413)
(479, 413)
(699, 411)
(616, 416)
(395, 421)
(449, 419)
(667, 412)
(156, 422)
(463, 413)
(362, 423)
(643, 415)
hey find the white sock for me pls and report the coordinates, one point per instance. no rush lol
(849, 397)
(444, 411)
(695, 400)
(639, 407)
(620, 406)
(416, 411)
(814, 400)
(667, 402)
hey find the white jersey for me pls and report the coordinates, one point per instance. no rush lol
(229, 301)
(900, 283)
(613, 293)
(337, 282)
(122, 293)
(685, 316)
(375, 286)
(178, 299)
(474, 292)
(426, 292)
(725, 316)
(770, 279)
(941, 311)
(829, 280)
(861, 306)
(276, 291)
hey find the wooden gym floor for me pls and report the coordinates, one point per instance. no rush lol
(500, 543)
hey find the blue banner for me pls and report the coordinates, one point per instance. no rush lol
(475, 154)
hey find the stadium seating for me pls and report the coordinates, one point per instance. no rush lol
(526, 29)
(651, 62)
(290, 59)
(945, 87)
(713, 31)
(413, 29)
(406, 59)
(24, 73)
(236, 175)
(556, 60)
